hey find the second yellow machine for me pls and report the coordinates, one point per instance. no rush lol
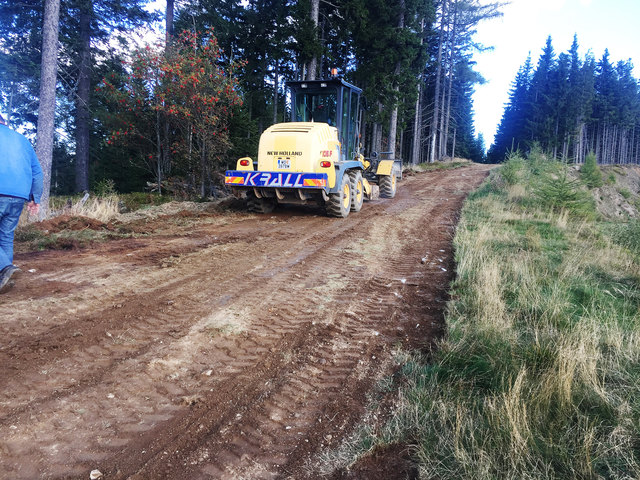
(316, 157)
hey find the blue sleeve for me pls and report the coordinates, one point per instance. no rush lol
(36, 178)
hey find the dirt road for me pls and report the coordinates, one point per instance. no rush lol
(220, 344)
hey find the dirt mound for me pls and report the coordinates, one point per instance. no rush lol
(70, 222)
(166, 209)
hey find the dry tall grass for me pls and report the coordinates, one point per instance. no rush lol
(101, 208)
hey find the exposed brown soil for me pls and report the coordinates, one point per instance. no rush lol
(222, 344)
(69, 222)
(617, 199)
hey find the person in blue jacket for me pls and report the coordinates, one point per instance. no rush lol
(20, 182)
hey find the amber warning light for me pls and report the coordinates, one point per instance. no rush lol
(334, 72)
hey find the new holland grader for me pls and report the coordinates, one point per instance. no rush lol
(315, 158)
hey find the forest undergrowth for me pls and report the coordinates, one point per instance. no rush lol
(539, 373)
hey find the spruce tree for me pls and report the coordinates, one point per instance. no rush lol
(511, 134)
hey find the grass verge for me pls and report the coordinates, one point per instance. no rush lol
(539, 376)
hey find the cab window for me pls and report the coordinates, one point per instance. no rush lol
(316, 107)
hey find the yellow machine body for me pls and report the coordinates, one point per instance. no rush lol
(300, 147)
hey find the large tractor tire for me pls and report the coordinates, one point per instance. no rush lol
(388, 185)
(357, 190)
(260, 205)
(339, 203)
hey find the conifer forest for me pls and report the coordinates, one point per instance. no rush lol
(572, 105)
(178, 110)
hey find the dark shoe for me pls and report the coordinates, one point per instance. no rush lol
(5, 276)
(16, 271)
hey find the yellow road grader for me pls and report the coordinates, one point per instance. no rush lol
(315, 158)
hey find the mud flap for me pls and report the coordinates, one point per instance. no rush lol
(371, 191)
(385, 167)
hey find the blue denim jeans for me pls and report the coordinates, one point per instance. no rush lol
(10, 210)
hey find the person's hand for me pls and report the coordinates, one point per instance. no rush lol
(33, 208)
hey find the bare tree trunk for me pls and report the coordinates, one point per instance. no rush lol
(322, 42)
(632, 146)
(276, 79)
(452, 54)
(580, 144)
(82, 98)
(203, 167)
(417, 119)
(313, 63)
(417, 128)
(393, 121)
(164, 160)
(453, 146)
(159, 154)
(12, 93)
(393, 127)
(436, 96)
(169, 20)
(363, 132)
(47, 107)
(441, 145)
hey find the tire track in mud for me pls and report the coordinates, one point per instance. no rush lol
(255, 455)
(238, 383)
(117, 356)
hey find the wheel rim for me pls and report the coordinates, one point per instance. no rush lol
(359, 190)
(393, 182)
(346, 197)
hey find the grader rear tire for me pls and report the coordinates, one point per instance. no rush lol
(357, 190)
(260, 205)
(339, 203)
(388, 185)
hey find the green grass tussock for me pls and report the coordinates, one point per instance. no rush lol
(628, 235)
(539, 376)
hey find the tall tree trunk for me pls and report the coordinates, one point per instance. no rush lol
(436, 95)
(82, 98)
(159, 152)
(313, 63)
(441, 145)
(452, 60)
(322, 42)
(203, 168)
(164, 140)
(453, 146)
(276, 79)
(393, 127)
(47, 107)
(169, 20)
(417, 128)
(417, 119)
(393, 121)
(12, 93)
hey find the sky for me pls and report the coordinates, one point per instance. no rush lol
(524, 28)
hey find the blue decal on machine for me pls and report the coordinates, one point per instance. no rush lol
(278, 179)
